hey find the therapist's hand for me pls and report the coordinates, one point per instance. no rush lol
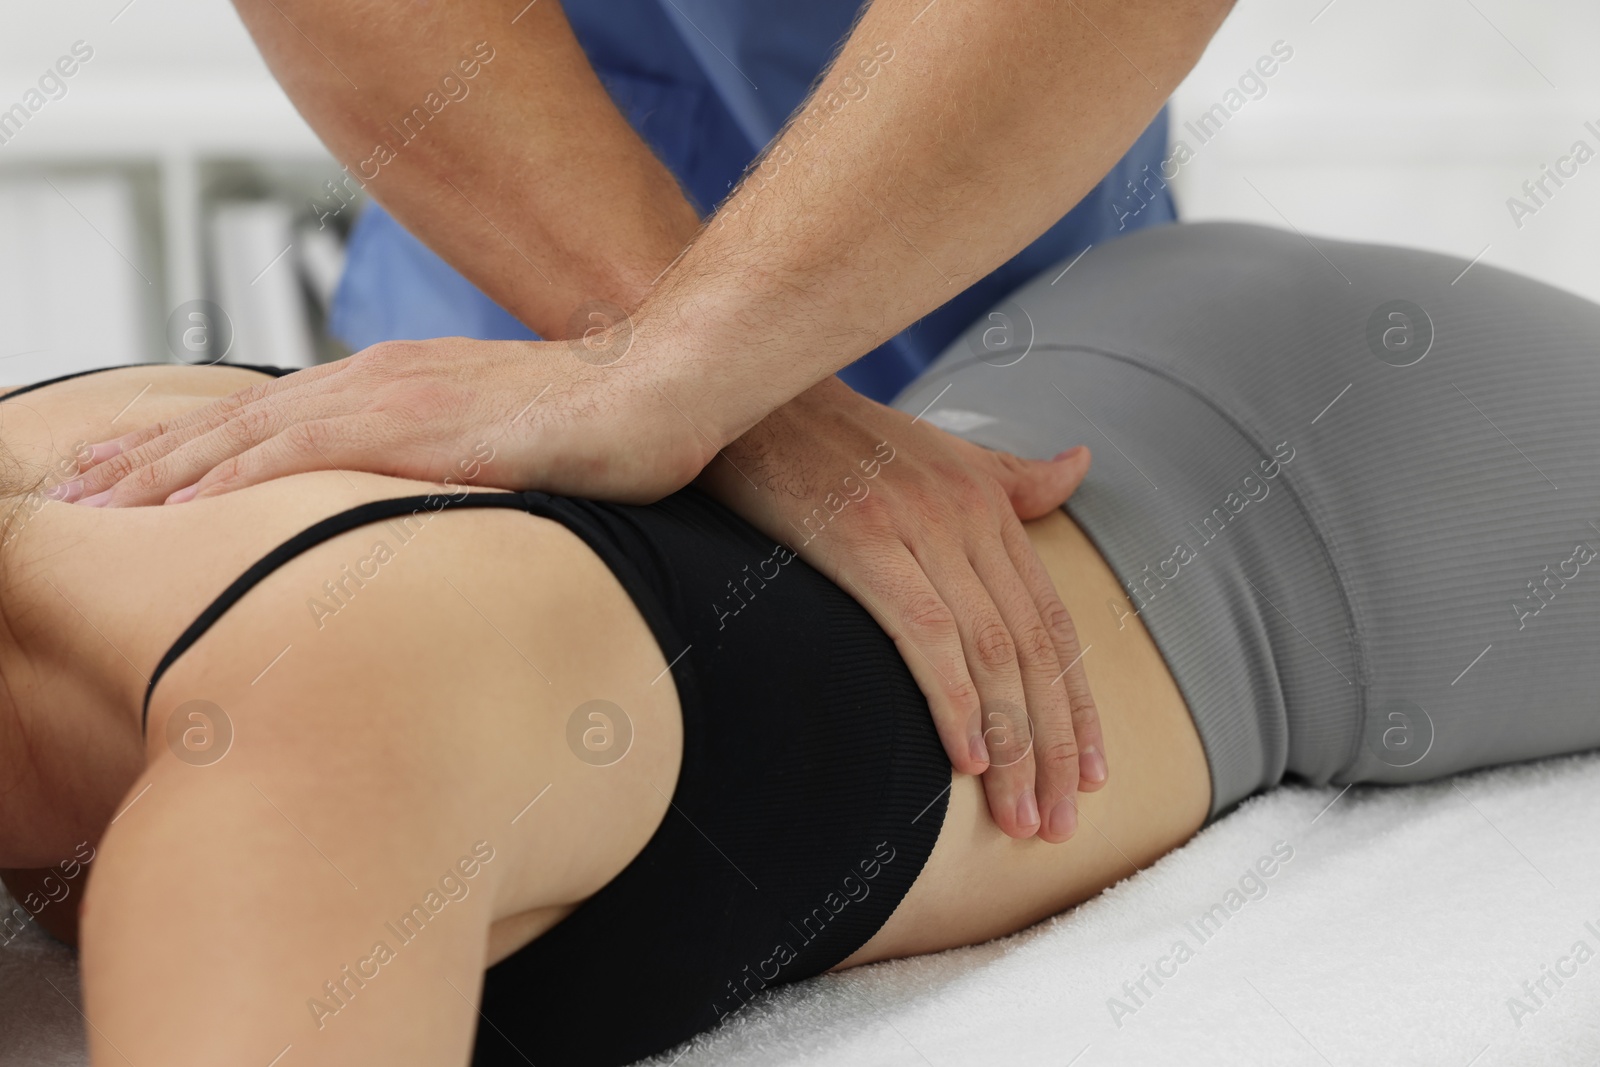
(922, 529)
(430, 410)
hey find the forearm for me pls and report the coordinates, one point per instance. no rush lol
(944, 139)
(526, 178)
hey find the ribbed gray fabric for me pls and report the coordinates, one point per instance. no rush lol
(1362, 609)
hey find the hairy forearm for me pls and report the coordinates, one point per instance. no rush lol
(944, 139)
(523, 174)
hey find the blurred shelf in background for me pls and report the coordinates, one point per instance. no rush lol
(168, 169)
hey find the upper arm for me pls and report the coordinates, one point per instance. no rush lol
(217, 892)
(508, 98)
(383, 764)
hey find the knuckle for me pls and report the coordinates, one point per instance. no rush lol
(993, 644)
(1083, 705)
(997, 498)
(307, 437)
(964, 698)
(1058, 756)
(382, 355)
(1012, 462)
(1035, 645)
(226, 473)
(974, 495)
(148, 478)
(927, 612)
(1057, 621)
(423, 402)
(248, 426)
(873, 512)
(229, 407)
(249, 395)
(118, 467)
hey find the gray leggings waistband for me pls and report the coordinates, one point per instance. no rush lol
(1327, 478)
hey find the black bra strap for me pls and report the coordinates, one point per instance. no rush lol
(333, 525)
(276, 372)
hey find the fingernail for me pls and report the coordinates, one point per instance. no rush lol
(67, 491)
(183, 494)
(104, 450)
(1092, 765)
(1069, 453)
(1027, 809)
(979, 750)
(1064, 817)
(99, 500)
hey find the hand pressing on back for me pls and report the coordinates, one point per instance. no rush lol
(924, 530)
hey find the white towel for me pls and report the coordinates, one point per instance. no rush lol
(1433, 924)
(1399, 932)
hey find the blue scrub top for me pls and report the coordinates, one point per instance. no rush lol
(707, 84)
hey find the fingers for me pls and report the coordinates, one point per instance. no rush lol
(179, 458)
(1036, 486)
(317, 444)
(128, 462)
(1003, 641)
(901, 599)
(1070, 677)
(1052, 767)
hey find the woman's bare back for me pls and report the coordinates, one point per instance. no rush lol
(485, 609)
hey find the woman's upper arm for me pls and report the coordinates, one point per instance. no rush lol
(330, 881)
(229, 918)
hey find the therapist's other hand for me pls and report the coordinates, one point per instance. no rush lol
(923, 529)
(430, 410)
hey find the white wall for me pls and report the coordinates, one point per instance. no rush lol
(1410, 122)
(165, 74)
(110, 172)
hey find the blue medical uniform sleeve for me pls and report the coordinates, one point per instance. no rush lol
(705, 108)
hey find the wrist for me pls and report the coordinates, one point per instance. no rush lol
(731, 350)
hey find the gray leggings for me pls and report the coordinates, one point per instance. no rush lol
(1353, 494)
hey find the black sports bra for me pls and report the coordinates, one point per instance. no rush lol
(812, 788)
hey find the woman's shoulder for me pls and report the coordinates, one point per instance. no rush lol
(443, 651)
